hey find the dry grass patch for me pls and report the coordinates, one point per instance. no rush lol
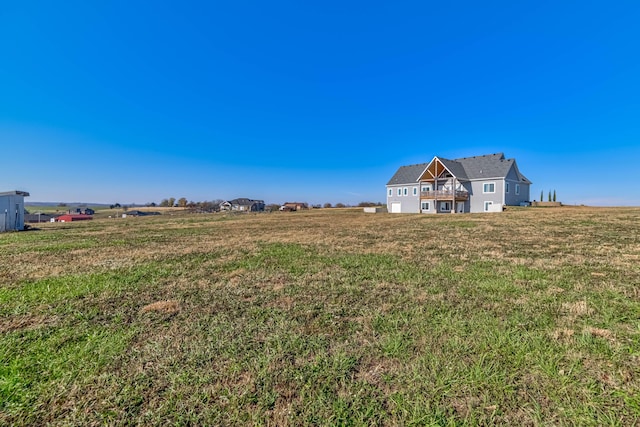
(599, 332)
(577, 308)
(563, 334)
(26, 322)
(165, 307)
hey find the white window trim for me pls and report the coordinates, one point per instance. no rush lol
(390, 192)
(488, 192)
(422, 204)
(405, 191)
(399, 191)
(506, 187)
(517, 189)
(415, 191)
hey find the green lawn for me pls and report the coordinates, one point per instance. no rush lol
(330, 317)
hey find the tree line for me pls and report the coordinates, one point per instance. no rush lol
(214, 205)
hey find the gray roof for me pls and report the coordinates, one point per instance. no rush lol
(464, 169)
(456, 168)
(14, 193)
(408, 174)
(243, 201)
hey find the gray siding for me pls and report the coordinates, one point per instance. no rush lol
(477, 197)
(408, 203)
(511, 198)
(10, 217)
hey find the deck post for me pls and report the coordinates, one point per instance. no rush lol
(453, 194)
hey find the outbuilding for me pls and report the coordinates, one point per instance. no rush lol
(12, 210)
(73, 217)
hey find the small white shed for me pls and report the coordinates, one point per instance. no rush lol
(12, 210)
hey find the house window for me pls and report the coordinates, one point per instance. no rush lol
(390, 192)
(445, 206)
(425, 206)
(506, 187)
(489, 187)
(405, 191)
(399, 191)
(486, 206)
(518, 189)
(415, 191)
(426, 188)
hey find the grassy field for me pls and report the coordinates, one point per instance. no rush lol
(326, 317)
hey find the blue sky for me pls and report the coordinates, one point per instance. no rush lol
(136, 101)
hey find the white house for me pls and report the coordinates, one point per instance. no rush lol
(12, 210)
(469, 184)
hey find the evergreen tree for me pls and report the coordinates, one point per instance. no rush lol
(554, 195)
(549, 195)
(541, 195)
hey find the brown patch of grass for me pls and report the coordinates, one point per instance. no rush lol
(554, 290)
(578, 308)
(564, 333)
(599, 332)
(27, 322)
(166, 307)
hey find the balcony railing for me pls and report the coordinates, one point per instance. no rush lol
(445, 194)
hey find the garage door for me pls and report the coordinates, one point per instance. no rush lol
(395, 207)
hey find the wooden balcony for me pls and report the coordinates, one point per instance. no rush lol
(445, 195)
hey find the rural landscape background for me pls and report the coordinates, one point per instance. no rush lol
(337, 316)
(326, 316)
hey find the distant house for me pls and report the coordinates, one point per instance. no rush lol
(242, 205)
(469, 184)
(294, 206)
(12, 210)
(140, 213)
(85, 211)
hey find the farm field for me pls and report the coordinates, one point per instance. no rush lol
(324, 317)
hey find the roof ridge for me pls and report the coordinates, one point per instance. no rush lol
(501, 154)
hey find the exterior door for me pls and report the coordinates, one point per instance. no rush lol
(395, 207)
(460, 207)
(3, 217)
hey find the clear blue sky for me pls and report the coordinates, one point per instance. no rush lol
(136, 101)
